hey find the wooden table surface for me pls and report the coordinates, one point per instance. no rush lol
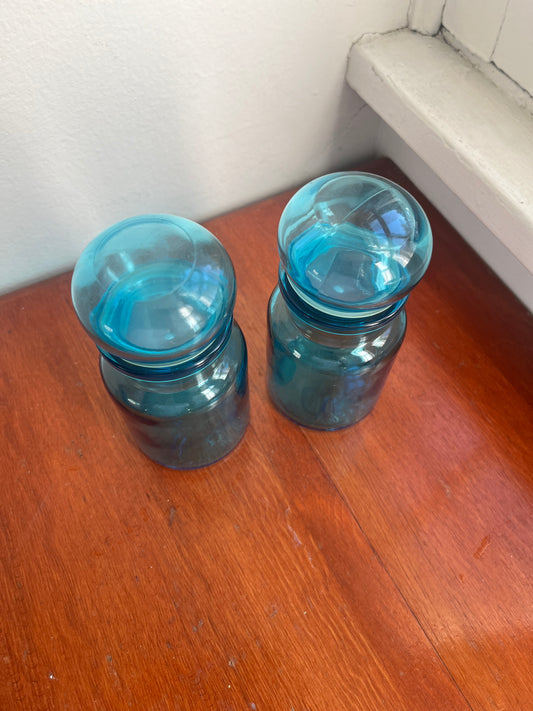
(385, 566)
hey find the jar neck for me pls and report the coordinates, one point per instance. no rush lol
(329, 320)
(162, 370)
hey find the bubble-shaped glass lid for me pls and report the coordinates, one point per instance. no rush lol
(154, 289)
(353, 242)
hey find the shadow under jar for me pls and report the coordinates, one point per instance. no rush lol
(156, 293)
(352, 246)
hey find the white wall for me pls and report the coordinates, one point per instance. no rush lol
(110, 109)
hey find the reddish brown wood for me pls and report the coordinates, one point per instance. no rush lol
(387, 566)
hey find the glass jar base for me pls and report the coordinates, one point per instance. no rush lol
(193, 441)
(323, 422)
(170, 461)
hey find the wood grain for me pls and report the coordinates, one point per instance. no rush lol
(386, 566)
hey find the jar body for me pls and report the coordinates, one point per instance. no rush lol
(326, 378)
(190, 417)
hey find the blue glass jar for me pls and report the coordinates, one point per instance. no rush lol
(352, 246)
(156, 293)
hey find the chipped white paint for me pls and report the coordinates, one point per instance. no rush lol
(296, 538)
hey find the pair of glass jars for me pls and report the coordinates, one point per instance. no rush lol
(157, 292)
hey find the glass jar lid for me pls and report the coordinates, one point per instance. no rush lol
(353, 243)
(154, 289)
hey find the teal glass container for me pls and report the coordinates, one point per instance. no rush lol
(156, 293)
(352, 246)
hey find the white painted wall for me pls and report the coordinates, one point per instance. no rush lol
(110, 109)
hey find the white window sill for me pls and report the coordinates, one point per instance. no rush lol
(474, 138)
